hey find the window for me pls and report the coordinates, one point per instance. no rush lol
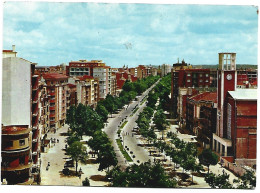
(200, 75)
(188, 80)
(207, 80)
(207, 75)
(200, 80)
(9, 143)
(229, 121)
(22, 142)
(188, 74)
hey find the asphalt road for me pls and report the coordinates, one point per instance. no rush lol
(114, 124)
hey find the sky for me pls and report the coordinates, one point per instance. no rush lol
(51, 33)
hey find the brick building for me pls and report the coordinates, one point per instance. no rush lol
(201, 115)
(181, 81)
(57, 89)
(235, 136)
(246, 78)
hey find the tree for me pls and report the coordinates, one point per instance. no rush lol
(109, 104)
(160, 121)
(128, 86)
(190, 164)
(143, 175)
(72, 138)
(218, 181)
(246, 181)
(191, 149)
(140, 87)
(106, 157)
(102, 112)
(70, 117)
(80, 119)
(152, 99)
(98, 139)
(207, 158)
(77, 152)
(93, 122)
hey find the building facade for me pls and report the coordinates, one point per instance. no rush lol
(20, 131)
(57, 90)
(201, 115)
(97, 69)
(235, 136)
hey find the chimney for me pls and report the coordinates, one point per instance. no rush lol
(13, 47)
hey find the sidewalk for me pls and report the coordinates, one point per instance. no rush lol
(56, 156)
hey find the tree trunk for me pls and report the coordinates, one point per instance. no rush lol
(208, 169)
(162, 134)
(191, 177)
(76, 167)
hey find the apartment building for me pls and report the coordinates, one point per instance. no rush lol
(44, 113)
(182, 82)
(57, 90)
(165, 69)
(88, 91)
(97, 69)
(247, 78)
(141, 72)
(20, 131)
(84, 90)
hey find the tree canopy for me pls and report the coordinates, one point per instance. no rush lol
(77, 152)
(207, 158)
(143, 175)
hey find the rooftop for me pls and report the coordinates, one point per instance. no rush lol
(244, 94)
(206, 96)
(56, 76)
(85, 77)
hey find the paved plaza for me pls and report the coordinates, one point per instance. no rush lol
(56, 156)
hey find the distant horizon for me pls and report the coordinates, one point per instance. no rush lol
(51, 33)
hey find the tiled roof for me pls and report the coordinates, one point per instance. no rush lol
(71, 85)
(85, 77)
(206, 96)
(7, 50)
(54, 76)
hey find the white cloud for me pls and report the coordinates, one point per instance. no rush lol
(53, 33)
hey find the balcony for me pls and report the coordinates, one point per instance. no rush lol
(52, 93)
(35, 127)
(19, 167)
(52, 115)
(52, 108)
(15, 130)
(35, 101)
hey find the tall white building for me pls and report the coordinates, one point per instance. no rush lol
(102, 73)
(165, 69)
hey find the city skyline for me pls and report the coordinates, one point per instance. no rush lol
(51, 33)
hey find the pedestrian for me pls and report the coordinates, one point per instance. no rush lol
(57, 140)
